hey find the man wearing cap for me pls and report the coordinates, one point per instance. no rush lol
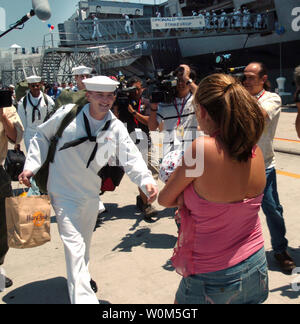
(80, 73)
(34, 108)
(73, 183)
(78, 95)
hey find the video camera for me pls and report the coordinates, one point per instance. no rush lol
(5, 98)
(223, 62)
(123, 92)
(164, 86)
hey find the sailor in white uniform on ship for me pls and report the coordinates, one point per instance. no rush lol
(127, 24)
(96, 31)
(246, 18)
(73, 183)
(258, 21)
(222, 19)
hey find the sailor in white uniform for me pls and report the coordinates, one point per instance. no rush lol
(73, 184)
(33, 108)
(96, 31)
(128, 29)
(81, 73)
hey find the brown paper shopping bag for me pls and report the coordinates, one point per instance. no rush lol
(28, 221)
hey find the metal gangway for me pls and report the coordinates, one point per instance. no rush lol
(111, 31)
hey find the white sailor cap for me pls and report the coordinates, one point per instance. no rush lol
(80, 70)
(34, 79)
(101, 84)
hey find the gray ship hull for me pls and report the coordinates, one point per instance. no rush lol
(279, 50)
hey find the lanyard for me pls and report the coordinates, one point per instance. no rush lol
(182, 108)
(261, 94)
(139, 110)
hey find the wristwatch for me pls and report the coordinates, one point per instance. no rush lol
(189, 81)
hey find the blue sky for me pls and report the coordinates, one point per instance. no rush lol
(33, 33)
(34, 30)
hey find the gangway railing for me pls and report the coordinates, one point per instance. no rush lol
(111, 31)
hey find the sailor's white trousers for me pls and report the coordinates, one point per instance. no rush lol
(76, 222)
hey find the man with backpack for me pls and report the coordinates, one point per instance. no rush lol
(91, 138)
(34, 108)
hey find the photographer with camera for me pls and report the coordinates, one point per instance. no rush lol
(11, 130)
(178, 114)
(133, 110)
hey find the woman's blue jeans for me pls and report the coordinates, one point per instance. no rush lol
(244, 283)
(274, 213)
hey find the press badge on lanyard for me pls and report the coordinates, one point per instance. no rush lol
(180, 128)
(139, 134)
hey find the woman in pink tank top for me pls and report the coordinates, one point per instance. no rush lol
(219, 188)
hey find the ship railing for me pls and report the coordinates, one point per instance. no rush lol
(61, 40)
(111, 31)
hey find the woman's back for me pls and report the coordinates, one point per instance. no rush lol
(227, 180)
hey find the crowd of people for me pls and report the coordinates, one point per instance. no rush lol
(237, 19)
(220, 241)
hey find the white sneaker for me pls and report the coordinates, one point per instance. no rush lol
(101, 207)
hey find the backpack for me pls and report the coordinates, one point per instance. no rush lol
(21, 89)
(68, 97)
(111, 175)
(14, 163)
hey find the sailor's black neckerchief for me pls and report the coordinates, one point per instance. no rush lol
(35, 108)
(89, 137)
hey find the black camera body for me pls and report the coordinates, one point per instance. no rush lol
(164, 86)
(5, 98)
(123, 94)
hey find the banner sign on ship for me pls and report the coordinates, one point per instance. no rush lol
(177, 22)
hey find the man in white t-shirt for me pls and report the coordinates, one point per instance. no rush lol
(256, 82)
(178, 117)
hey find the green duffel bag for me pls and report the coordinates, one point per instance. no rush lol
(21, 89)
(69, 97)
